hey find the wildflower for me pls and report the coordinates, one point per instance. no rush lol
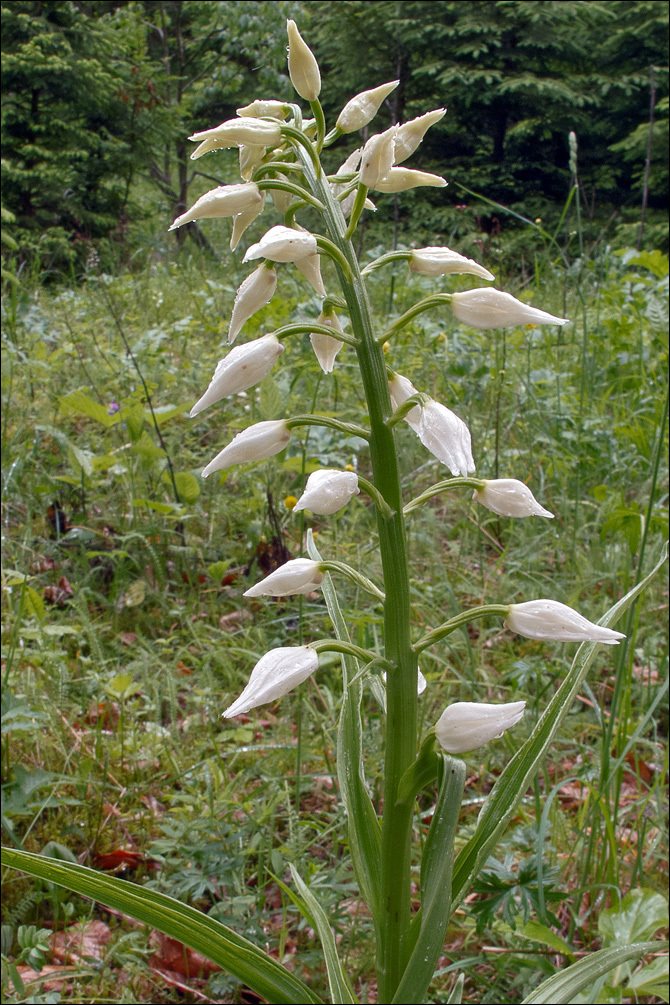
(402, 179)
(303, 68)
(226, 200)
(113, 408)
(377, 157)
(250, 157)
(290, 502)
(447, 437)
(255, 292)
(488, 308)
(510, 497)
(444, 261)
(310, 268)
(260, 109)
(255, 443)
(283, 244)
(411, 133)
(467, 725)
(275, 675)
(250, 131)
(362, 109)
(243, 367)
(548, 619)
(439, 429)
(244, 220)
(299, 575)
(326, 348)
(327, 491)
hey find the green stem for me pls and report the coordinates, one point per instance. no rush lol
(439, 487)
(376, 496)
(317, 112)
(430, 638)
(401, 689)
(350, 649)
(348, 428)
(435, 300)
(355, 577)
(289, 186)
(387, 259)
(356, 210)
(306, 328)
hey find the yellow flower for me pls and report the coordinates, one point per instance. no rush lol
(290, 502)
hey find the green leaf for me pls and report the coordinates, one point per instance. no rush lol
(157, 507)
(340, 989)
(641, 914)
(33, 603)
(205, 935)
(436, 868)
(166, 412)
(540, 933)
(561, 988)
(79, 403)
(651, 979)
(188, 486)
(520, 771)
(363, 826)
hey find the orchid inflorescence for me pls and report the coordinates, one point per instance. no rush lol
(280, 154)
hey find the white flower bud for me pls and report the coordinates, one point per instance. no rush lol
(327, 491)
(326, 348)
(444, 261)
(303, 68)
(299, 575)
(226, 200)
(400, 389)
(250, 131)
(363, 108)
(255, 292)
(411, 133)
(283, 244)
(548, 619)
(488, 308)
(250, 157)
(510, 497)
(244, 220)
(275, 675)
(262, 109)
(467, 725)
(310, 268)
(256, 443)
(439, 429)
(402, 179)
(377, 157)
(243, 367)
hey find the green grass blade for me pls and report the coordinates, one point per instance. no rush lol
(518, 774)
(340, 989)
(436, 868)
(562, 987)
(206, 935)
(363, 825)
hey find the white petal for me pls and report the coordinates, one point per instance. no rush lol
(275, 674)
(327, 491)
(467, 725)
(256, 443)
(489, 308)
(549, 619)
(283, 244)
(255, 292)
(299, 575)
(243, 367)
(510, 497)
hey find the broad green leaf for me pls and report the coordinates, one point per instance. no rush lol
(363, 826)
(640, 915)
(205, 935)
(157, 507)
(217, 570)
(340, 989)
(652, 979)
(33, 603)
(562, 988)
(436, 868)
(188, 486)
(515, 778)
(80, 460)
(79, 403)
(166, 412)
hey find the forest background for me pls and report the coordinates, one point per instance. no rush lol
(124, 629)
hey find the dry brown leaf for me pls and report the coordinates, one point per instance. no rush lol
(80, 942)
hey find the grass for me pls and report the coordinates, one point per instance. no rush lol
(125, 634)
